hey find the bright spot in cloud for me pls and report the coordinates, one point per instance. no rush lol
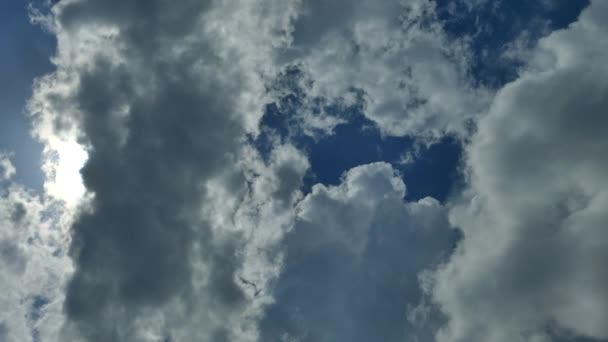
(62, 165)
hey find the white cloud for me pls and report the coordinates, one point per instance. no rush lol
(414, 78)
(352, 260)
(261, 213)
(34, 265)
(531, 265)
(7, 169)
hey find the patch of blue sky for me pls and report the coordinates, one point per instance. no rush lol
(25, 52)
(358, 141)
(493, 25)
(36, 313)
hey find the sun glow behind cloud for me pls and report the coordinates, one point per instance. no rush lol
(62, 164)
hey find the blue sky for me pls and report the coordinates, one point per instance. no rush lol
(294, 171)
(26, 52)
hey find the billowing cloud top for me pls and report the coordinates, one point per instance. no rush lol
(181, 204)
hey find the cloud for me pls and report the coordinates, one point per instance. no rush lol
(33, 263)
(7, 169)
(415, 80)
(352, 260)
(531, 264)
(160, 96)
(262, 213)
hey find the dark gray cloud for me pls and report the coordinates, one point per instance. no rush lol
(161, 102)
(19, 212)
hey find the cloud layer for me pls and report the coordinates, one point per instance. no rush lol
(163, 219)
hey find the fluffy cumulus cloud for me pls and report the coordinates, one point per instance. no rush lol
(352, 260)
(414, 79)
(531, 266)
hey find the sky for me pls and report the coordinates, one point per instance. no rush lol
(25, 54)
(303, 171)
